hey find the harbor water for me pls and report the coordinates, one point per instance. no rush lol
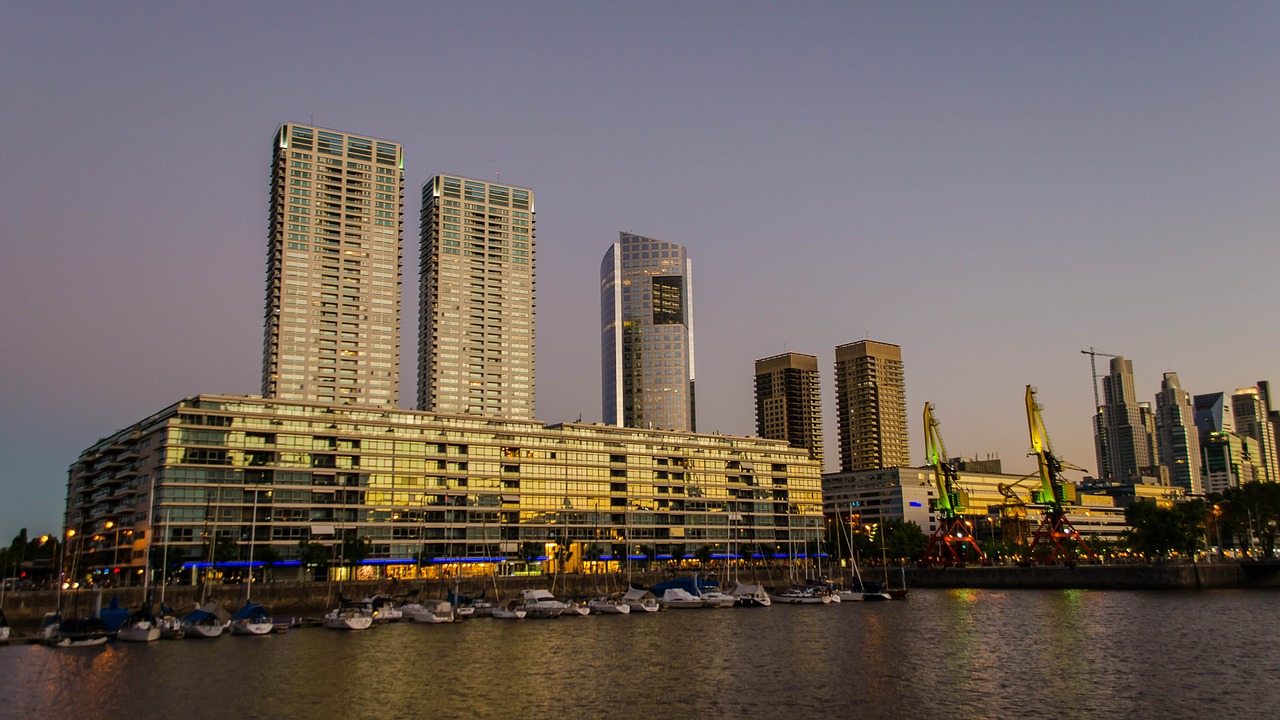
(941, 654)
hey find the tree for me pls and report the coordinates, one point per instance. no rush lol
(1251, 509)
(269, 556)
(904, 540)
(313, 555)
(703, 555)
(529, 552)
(355, 550)
(1156, 532)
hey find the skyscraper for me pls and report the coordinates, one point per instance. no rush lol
(646, 335)
(1176, 434)
(1252, 410)
(788, 401)
(871, 399)
(1126, 452)
(332, 321)
(476, 302)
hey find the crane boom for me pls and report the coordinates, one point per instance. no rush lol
(1056, 540)
(952, 543)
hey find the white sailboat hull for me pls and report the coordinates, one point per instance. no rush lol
(139, 632)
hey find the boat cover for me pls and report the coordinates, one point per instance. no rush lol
(251, 611)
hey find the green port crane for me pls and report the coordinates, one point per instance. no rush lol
(1056, 540)
(953, 542)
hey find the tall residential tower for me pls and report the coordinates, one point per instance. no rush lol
(332, 321)
(475, 322)
(871, 399)
(1126, 453)
(646, 335)
(788, 401)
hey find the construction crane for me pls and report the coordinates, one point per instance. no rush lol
(1099, 427)
(1056, 540)
(953, 542)
(1014, 527)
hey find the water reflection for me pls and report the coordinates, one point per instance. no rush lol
(959, 653)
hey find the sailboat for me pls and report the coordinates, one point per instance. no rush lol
(251, 618)
(141, 624)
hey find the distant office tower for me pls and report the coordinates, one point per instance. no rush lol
(872, 401)
(1230, 459)
(332, 321)
(646, 335)
(1252, 410)
(789, 401)
(1176, 434)
(1125, 454)
(475, 308)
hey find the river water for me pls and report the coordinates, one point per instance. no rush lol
(942, 654)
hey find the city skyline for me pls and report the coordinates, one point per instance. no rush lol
(962, 182)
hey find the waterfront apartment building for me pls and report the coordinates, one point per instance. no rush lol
(646, 335)
(332, 315)
(476, 298)
(789, 401)
(1178, 440)
(872, 405)
(425, 485)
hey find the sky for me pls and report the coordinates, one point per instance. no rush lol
(994, 186)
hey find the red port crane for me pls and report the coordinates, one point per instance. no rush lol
(1056, 540)
(953, 542)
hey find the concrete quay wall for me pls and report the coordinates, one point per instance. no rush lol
(1166, 576)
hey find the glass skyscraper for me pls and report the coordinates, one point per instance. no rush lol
(646, 335)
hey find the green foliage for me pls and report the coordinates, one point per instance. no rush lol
(904, 541)
(703, 555)
(1253, 509)
(312, 553)
(1156, 532)
(355, 550)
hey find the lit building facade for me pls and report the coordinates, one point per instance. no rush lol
(868, 497)
(871, 399)
(1251, 408)
(789, 401)
(646, 335)
(417, 484)
(476, 350)
(1176, 434)
(332, 316)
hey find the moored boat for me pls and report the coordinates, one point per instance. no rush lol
(540, 603)
(434, 611)
(641, 600)
(608, 605)
(252, 619)
(207, 622)
(350, 616)
(139, 627)
(678, 599)
(802, 595)
(750, 596)
(509, 609)
(86, 632)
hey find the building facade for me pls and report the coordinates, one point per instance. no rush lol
(1124, 449)
(332, 315)
(1176, 434)
(476, 349)
(417, 485)
(1251, 408)
(789, 401)
(872, 404)
(646, 335)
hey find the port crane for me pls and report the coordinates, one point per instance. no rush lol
(953, 542)
(1056, 540)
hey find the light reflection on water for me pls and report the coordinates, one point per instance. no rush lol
(956, 653)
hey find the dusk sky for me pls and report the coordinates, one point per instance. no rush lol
(993, 186)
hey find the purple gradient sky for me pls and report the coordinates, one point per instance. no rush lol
(994, 186)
